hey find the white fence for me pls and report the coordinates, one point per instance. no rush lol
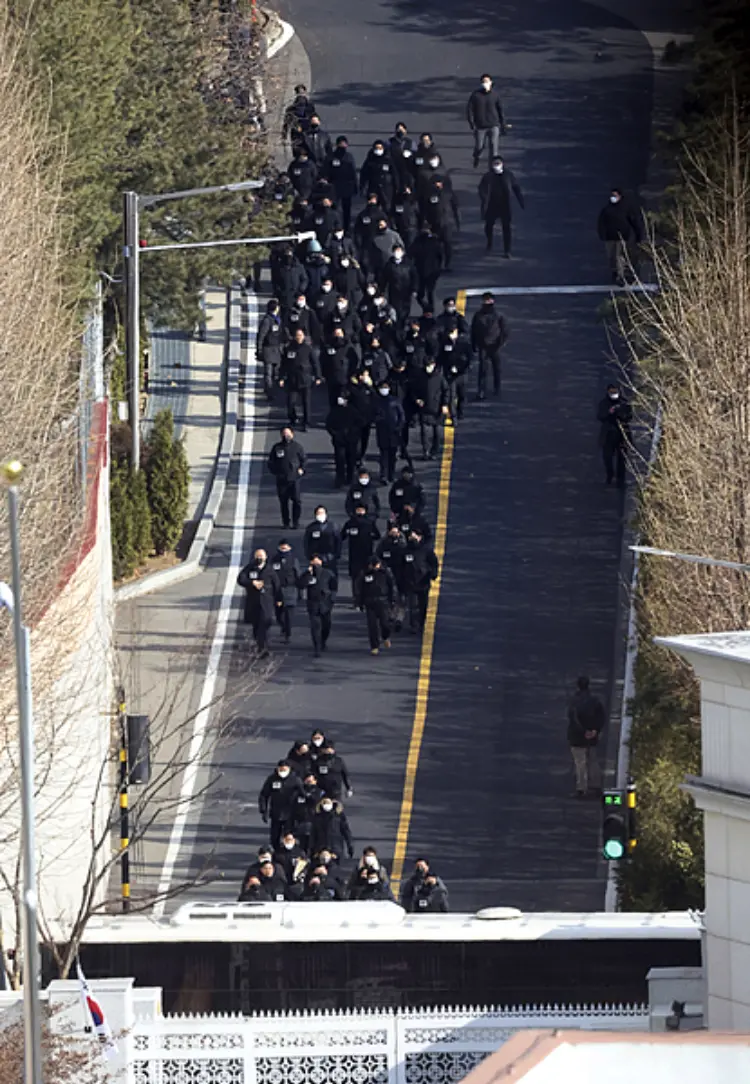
(367, 1047)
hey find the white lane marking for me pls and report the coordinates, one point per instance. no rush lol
(287, 33)
(643, 287)
(206, 705)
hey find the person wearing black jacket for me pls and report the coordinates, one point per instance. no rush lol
(430, 394)
(322, 540)
(349, 282)
(322, 886)
(253, 891)
(332, 772)
(376, 362)
(297, 116)
(319, 587)
(268, 345)
(345, 317)
(406, 214)
(406, 490)
(442, 215)
(293, 860)
(420, 569)
(449, 319)
(401, 150)
(412, 883)
(454, 358)
(409, 521)
(288, 278)
(365, 224)
(426, 253)
(614, 415)
(338, 245)
(287, 571)
(378, 175)
(586, 719)
(299, 758)
(495, 203)
(360, 533)
(368, 886)
(338, 361)
(390, 550)
(620, 227)
(390, 420)
(330, 829)
(278, 799)
(398, 280)
(325, 220)
(286, 462)
(300, 315)
(343, 425)
(361, 398)
(423, 152)
(363, 492)
(259, 584)
(341, 170)
(375, 593)
(303, 173)
(489, 332)
(484, 112)
(305, 808)
(299, 371)
(273, 880)
(317, 142)
(431, 896)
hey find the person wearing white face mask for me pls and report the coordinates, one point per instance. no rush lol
(277, 800)
(495, 190)
(398, 280)
(322, 540)
(620, 227)
(378, 174)
(614, 415)
(484, 112)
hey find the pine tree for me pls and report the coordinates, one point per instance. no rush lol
(124, 556)
(143, 543)
(168, 478)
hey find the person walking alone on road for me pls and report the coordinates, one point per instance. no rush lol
(621, 229)
(586, 718)
(286, 462)
(420, 568)
(484, 113)
(260, 585)
(277, 800)
(318, 585)
(268, 346)
(614, 414)
(375, 593)
(489, 332)
(494, 198)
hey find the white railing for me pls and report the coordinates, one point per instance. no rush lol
(377, 1046)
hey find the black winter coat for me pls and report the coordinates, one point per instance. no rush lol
(285, 460)
(398, 280)
(366, 495)
(341, 170)
(278, 797)
(268, 340)
(360, 534)
(317, 585)
(287, 571)
(322, 540)
(343, 424)
(303, 176)
(389, 421)
(430, 392)
(420, 566)
(427, 253)
(406, 493)
(299, 369)
(375, 587)
(489, 330)
(378, 174)
(289, 280)
(484, 109)
(331, 832)
(494, 193)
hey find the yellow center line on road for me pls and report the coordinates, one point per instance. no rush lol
(425, 661)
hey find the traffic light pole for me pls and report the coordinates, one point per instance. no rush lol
(124, 809)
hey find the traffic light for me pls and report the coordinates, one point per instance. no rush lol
(618, 823)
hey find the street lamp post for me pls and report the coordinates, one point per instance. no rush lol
(11, 474)
(133, 204)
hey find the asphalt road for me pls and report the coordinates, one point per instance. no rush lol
(530, 588)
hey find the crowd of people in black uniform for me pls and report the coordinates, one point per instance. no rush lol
(302, 801)
(341, 315)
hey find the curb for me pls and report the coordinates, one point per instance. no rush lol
(286, 35)
(157, 581)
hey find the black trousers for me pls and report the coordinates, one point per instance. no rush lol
(429, 431)
(378, 623)
(261, 627)
(289, 498)
(320, 628)
(345, 461)
(284, 616)
(458, 397)
(614, 462)
(364, 441)
(298, 399)
(489, 229)
(402, 305)
(270, 375)
(388, 462)
(416, 606)
(345, 203)
(489, 359)
(278, 828)
(426, 289)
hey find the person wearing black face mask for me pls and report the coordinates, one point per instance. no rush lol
(286, 462)
(409, 521)
(305, 808)
(361, 398)
(299, 760)
(360, 534)
(420, 570)
(365, 225)
(454, 358)
(341, 170)
(325, 220)
(375, 593)
(268, 346)
(390, 551)
(495, 190)
(401, 148)
(298, 115)
(406, 490)
(317, 142)
(615, 415)
(260, 585)
(288, 278)
(278, 799)
(303, 174)
(319, 587)
(430, 393)
(406, 215)
(427, 255)
(376, 361)
(440, 212)
(287, 571)
(489, 333)
(343, 425)
(338, 361)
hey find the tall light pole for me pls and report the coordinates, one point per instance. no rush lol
(133, 204)
(11, 472)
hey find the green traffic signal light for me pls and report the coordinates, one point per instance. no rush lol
(614, 849)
